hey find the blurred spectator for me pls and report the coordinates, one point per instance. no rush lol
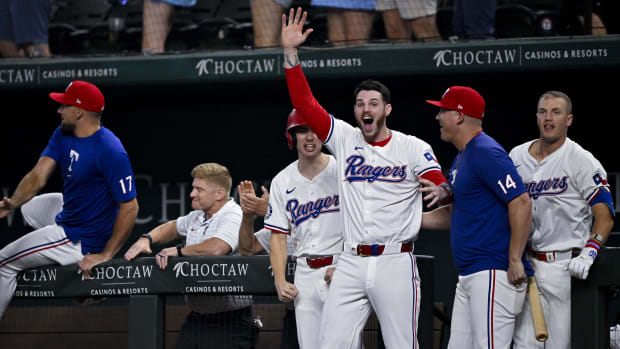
(575, 9)
(267, 21)
(157, 21)
(404, 17)
(349, 22)
(23, 28)
(474, 19)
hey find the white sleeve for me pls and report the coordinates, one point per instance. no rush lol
(338, 133)
(591, 176)
(264, 239)
(183, 224)
(227, 227)
(276, 218)
(423, 158)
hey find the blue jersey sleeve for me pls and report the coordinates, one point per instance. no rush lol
(498, 173)
(118, 174)
(52, 150)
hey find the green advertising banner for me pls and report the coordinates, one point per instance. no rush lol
(441, 58)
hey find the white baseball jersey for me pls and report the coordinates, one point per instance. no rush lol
(224, 225)
(308, 209)
(561, 187)
(379, 188)
(263, 237)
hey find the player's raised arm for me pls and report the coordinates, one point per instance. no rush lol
(293, 35)
(299, 90)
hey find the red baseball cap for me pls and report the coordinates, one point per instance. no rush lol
(463, 99)
(81, 94)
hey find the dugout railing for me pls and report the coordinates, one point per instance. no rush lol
(147, 289)
(590, 301)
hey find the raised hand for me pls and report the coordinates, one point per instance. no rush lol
(292, 29)
(249, 202)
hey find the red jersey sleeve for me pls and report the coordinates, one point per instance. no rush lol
(304, 102)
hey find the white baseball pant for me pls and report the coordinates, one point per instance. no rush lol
(554, 285)
(42, 209)
(309, 304)
(485, 309)
(46, 245)
(390, 284)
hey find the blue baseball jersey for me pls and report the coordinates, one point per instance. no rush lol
(97, 175)
(484, 181)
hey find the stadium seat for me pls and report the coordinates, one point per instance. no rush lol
(71, 22)
(229, 28)
(186, 21)
(514, 21)
(81, 13)
(130, 36)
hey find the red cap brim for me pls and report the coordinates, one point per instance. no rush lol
(58, 97)
(437, 103)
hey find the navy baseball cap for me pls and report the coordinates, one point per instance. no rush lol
(463, 99)
(81, 94)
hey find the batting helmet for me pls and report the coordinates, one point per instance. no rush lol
(294, 119)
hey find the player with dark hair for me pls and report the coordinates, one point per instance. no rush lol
(573, 211)
(489, 222)
(378, 171)
(99, 193)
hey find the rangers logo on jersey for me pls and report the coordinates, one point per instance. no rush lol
(357, 170)
(546, 187)
(312, 209)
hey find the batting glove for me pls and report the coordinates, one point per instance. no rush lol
(579, 266)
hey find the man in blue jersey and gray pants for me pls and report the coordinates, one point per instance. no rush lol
(489, 222)
(99, 193)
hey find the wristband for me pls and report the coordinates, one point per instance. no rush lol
(147, 236)
(179, 253)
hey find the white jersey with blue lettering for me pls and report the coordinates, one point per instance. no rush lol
(561, 187)
(379, 189)
(308, 209)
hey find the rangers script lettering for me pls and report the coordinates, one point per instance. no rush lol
(311, 209)
(358, 171)
(551, 186)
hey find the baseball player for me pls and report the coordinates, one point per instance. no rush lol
(489, 224)
(99, 193)
(377, 171)
(251, 243)
(305, 203)
(569, 190)
(212, 229)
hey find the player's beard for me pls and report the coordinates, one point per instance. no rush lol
(68, 129)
